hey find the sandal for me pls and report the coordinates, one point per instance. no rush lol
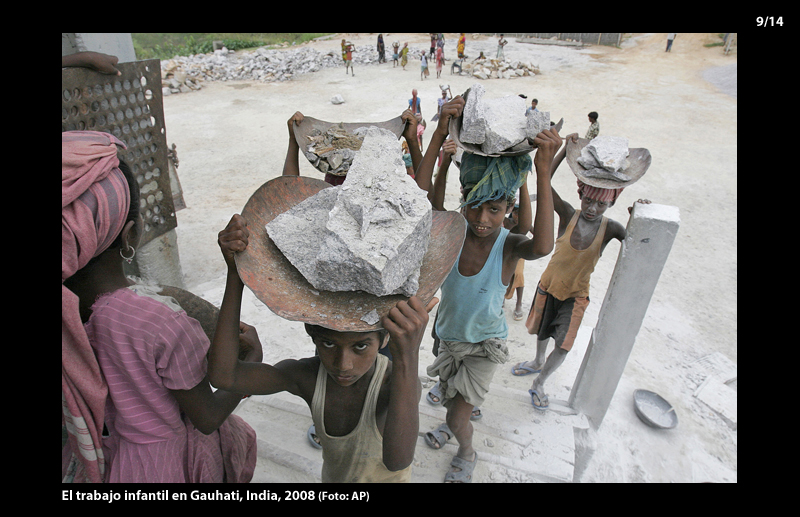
(464, 474)
(521, 366)
(434, 438)
(436, 392)
(312, 437)
(477, 414)
(539, 406)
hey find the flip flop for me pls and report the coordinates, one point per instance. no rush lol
(434, 392)
(434, 438)
(518, 315)
(312, 432)
(534, 404)
(528, 370)
(465, 474)
(473, 416)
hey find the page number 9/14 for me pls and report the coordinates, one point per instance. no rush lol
(769, 21)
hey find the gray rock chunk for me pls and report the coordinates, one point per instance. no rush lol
(536, 122)
(607, 152)
(473, 128)
(369, 234)
(505, 123)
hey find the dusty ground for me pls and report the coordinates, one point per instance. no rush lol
(232, 137)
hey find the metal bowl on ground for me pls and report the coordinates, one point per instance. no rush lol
(276, 282)
(653, 410)
(311, 127)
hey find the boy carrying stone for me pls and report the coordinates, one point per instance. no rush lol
(562, 294)
(471, 324)
(364, 405)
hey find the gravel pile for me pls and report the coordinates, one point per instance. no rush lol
(267, 65)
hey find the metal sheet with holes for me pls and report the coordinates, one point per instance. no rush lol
(130, 107)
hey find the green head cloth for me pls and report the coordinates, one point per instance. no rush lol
(489, 178)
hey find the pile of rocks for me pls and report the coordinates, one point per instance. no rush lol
(499, 69)
(333, 151)
(184, 73)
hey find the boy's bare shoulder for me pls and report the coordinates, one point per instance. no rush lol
(306, 365)
(303, 375)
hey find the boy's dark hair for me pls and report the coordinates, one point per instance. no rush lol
(315, 330)
(593, 115)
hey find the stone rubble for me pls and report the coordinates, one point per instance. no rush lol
(499, 124)
(186, 73)
(368, 234)
(334, 150)
(499, 68)
(604, 157)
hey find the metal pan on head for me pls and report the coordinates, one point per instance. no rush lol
(306, 129)
(276, 282)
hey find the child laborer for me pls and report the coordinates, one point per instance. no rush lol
(347, 53)
(562, 294)
(404, 55)
(594, 125)
(395, 53)
(132, 360)
(470, 323)
(364, 406)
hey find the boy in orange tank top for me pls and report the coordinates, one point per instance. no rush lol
(562, 294)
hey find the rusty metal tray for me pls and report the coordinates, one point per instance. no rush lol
(639, 159)
(301, 132)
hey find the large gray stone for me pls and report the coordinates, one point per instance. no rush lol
(505, 123)
(536, 122)
(607, 152)
(369, 234)
(473, 125)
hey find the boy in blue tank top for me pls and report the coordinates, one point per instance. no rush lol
(471, 324)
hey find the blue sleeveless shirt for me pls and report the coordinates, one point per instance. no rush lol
(471, 309)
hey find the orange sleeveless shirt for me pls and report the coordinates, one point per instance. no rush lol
(568, 272)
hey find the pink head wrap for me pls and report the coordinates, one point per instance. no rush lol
(95, 199)
(608, 195)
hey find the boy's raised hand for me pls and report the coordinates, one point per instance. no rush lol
(454, 108)
(406, 324)
(548, 143)
(234, 238)
(449, 147)
(297, 118)
(410, 132)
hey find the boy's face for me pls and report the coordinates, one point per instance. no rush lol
(592, 209)
(347, 356)
(486, 219)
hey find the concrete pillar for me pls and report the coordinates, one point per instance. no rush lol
(158, 261)
(117, 44)
(650, 234)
